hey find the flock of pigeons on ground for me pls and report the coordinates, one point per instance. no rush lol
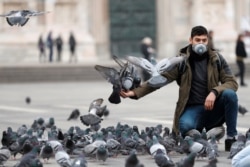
(42, 140)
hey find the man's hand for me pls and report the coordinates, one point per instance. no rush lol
(129, 93)
(209, 102)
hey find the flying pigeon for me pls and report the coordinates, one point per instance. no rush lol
(74, 114)
(155, 70)
(126, 78)
(20, 17)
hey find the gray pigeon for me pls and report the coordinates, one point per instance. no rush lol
(217, 132)
(237, 146)
(80, 161)
(74, 114)
(155, 70)
(133, 161)
(187, 161)
(20, 17)
(162, 160)
(62, 158)
(102, 153)
(4, 155)
(242, 110)
(125, 78)
(46, 152)
(28, 158)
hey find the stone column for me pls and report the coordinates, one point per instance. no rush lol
(196, 12)
(166, 46)
(99, 27)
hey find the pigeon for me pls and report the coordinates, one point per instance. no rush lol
(80, 161)
(74, 114)
(155, 70)
(162, 160)
(90, 119)
(96, 111)
(126, 78)
(46, 152)
(102, 153)
(187, 161)
(28, 158)
(217, 132)
(194, 146)
(20, 17)
(237, 146)
(4, 155)
(62, 158)
(133, 161)
(155, 146)
(242, 110)
(96, 108)
(212, 163)
(28, 100)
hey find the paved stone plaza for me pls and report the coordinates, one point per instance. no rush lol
(59, 99)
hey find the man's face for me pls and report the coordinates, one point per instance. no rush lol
(199, 39)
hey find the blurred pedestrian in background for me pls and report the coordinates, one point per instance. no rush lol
(241, 54)
(72, 47)
(210, 39)
(41, 47)
(59, 45)
(49, 43)
(147, 52)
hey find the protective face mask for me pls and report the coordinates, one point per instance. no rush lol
(199, 48)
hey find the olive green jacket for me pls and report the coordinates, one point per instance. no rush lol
(218, 80)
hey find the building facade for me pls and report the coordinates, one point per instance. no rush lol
(93, 24)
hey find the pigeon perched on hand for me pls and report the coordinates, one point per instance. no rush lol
(155, 70)
(20, 17)
(126, 78)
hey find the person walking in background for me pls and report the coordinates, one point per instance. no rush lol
(147, 52)
(72, 47)
(241, 54)
(49, 43)
(210, 39)
(59, 45)
(41, 47)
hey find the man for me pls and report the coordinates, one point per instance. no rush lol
(207, 93)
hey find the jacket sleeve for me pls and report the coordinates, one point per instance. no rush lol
(227, 78)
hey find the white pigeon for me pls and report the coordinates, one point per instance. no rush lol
(156, 69)
(20, 17)
(155, 146)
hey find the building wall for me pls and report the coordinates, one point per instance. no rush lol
(89, 20)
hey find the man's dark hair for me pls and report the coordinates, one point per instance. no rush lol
(198, 30)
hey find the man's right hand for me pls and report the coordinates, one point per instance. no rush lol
(126, 94)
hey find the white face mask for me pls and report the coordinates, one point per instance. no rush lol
(199, 48)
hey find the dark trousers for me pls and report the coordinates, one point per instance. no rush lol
(241, 73)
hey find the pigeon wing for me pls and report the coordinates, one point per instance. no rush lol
(90, 119)
(119, 61)
(110, 74)
(142, 63)
(97, 102)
